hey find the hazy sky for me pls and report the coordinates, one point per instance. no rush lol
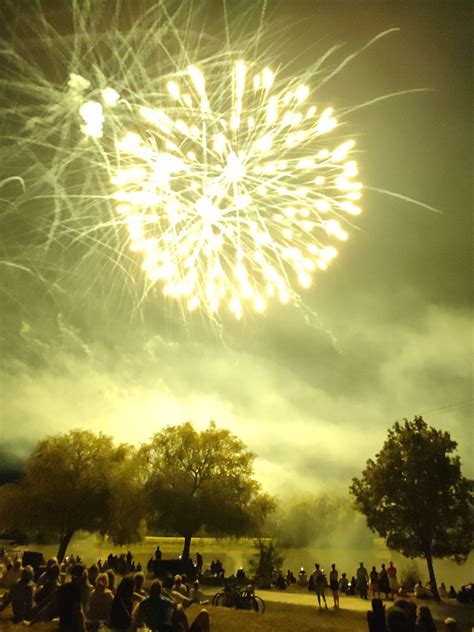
(385, 333)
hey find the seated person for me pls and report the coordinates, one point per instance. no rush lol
(160, 613)
(20, 596)
(421, 592)
(196, 595)
(46, 594)
(101, 599)
(179, 586)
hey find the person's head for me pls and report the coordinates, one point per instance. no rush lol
(390, 564)
(78, 573)
(51, 562)
(139, 580)
(344, 575)
(125, 588)
(27, 575)
(196, 585)
(373, 568)
(443, 585)
(52, 572)
(424, 615)
(383, 566)
(362, 565)
(378, 608)
(102, 582)
(397, 620)
(16, 565)
(155, 589)
(177, 580)
(316, 566)
(93, 572)
(333, 566)
(451, 625)
(419, 583)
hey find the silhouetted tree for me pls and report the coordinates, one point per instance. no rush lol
(75, 481)
(203, 479)
(414, 495)
(266, 559)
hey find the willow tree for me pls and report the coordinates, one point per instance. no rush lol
(203, 479)
(76, 481)
(414, 495)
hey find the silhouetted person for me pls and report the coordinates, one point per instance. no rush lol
(376, 617)
(384, 584)
(318, 581)
(160, 612)
(122, 605)
(20, 596)
(393, 580)
(100, 604)
(362, 581)
(334, 584)
(424, 621)
(397, 620)
(344, 583)
(46, 595)
(70, 609)
(374, 583)
(199, 563)
(158, 553)
(352, 586)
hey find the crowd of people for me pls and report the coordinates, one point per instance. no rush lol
(405, 616)
(377, 584)
(113, 593)
(84, 599)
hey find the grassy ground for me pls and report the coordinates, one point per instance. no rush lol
(279, 617)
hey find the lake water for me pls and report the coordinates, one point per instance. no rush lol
(236, 553)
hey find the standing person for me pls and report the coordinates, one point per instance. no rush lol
(319, 580)
(199, 563)
(334, 584)
(158, 554)
(393, 580)
(374, 583)
(362, 581)
(384, 584)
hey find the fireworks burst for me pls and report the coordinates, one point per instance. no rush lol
(231, 190)
(224, 177)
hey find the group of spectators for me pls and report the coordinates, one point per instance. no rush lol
(84, 599)
(404, 616)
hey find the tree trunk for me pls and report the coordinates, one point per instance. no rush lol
(63, 544)
(186, 547)
(434, 585)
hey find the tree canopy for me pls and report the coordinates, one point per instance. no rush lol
(414, 495)
(76, 481)
(203, 479)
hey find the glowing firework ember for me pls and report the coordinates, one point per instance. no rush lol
(231, 191)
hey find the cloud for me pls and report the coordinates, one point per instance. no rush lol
(310, 429)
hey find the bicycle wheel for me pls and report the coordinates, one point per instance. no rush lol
(216, 600)
(258, 604)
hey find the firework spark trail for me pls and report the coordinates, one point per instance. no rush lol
(216, 168)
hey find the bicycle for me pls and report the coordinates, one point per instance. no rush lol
(240, 598)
